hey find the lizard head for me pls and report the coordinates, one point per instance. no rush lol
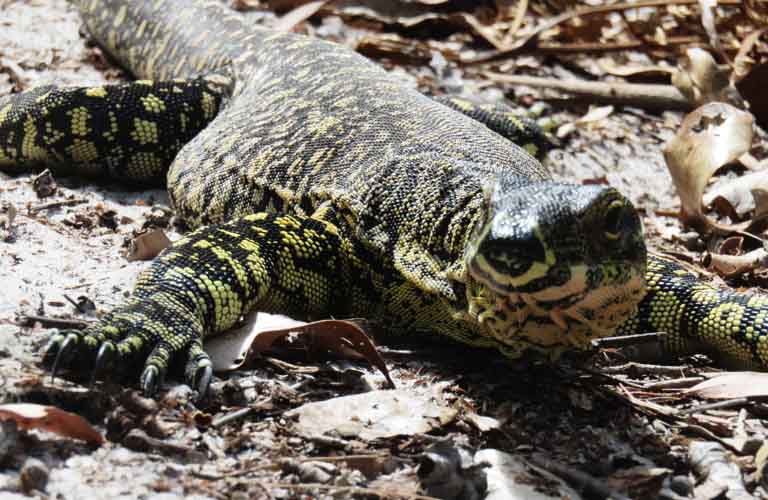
(554, 265)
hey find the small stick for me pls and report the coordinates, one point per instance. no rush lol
(644, 95)
(48, 322)
(717, 405)
(627, 340)
(56, 204)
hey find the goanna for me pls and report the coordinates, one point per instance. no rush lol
(321, 185)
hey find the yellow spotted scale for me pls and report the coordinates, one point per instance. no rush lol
(323, 186)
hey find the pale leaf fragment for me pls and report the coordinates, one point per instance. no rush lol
(376, 414)
(51, 419)
(732, 385)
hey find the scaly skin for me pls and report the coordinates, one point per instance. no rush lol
(322, 185)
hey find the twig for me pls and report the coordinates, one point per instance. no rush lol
(55, 204)
(717, 405)
(645, 368)
(673, 384)
(264, 404)
(49, 322)
(644, 95)
(627, 340)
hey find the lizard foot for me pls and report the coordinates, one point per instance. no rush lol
(129, 338)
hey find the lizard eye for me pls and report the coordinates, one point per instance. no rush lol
(614, 219)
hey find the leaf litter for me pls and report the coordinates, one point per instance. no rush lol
(625, 428)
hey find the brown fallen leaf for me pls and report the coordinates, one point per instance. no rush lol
(147, 246)
(51, 419)
(711, 136)
(345, 338)
(732, 385)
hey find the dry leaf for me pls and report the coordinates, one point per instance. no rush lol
(376, 414)
(51, 419)
(732, 385)
(734, 265)
(711, 136)
(231, 351)
(745, 194)
(147, 246)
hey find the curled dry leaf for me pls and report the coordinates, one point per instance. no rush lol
(147, 246)
(746, 194)
(711, 136)
(231, 351)
(734, 265)
(51, 419)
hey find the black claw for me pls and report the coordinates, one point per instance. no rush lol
(150, 381)
(203, 377)
(64, 353)
(51, 349)
(105, 358)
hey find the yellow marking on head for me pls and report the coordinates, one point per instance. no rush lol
(43, 97)
(96, 92)
(202, 244)
(144, 82)
(537, 270)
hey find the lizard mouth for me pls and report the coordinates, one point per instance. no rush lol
(569, 315)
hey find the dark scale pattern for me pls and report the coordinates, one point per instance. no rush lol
(322, 185)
